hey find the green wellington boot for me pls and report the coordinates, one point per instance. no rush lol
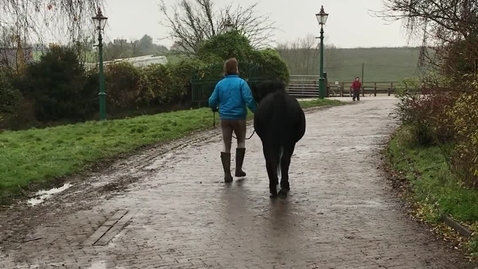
(226, 165)
(240, 152)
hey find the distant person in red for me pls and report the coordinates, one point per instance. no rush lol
(356, 85)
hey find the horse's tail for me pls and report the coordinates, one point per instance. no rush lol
(279, 127)
(279, 162)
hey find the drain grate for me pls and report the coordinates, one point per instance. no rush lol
(109, 229)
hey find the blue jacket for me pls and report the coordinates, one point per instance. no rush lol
(231, 95)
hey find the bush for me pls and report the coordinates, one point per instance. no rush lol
(423, 106)
(459, 58)
(465, 158)
(10, 99)
(413, 110)
(164, 84)
(154, 86)
(224, 46)
(274, 66)
(181, 78)
(268, 62)
(56, 86)
(57, 89)
(122, 86)
(447, 119)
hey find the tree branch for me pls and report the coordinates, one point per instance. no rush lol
(198, 20)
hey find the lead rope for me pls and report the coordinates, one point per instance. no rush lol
(214, 125)
(214, 119)
(247, 138)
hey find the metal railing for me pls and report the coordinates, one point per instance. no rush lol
(307, 87)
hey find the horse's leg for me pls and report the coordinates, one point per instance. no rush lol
(272, 173)
(285, 163)
(271, 166)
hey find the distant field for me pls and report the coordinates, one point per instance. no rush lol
(380, 64)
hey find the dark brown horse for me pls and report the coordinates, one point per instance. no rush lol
(280, 123)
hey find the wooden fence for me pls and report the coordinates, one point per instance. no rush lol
(308, 87)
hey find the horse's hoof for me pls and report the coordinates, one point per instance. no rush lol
(240, 174)
(283, 193)
(284, 185)
(286, 188)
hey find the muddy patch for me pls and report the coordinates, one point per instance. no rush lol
(43, 195)
(117, 185)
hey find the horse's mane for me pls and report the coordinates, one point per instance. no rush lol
(267, 87)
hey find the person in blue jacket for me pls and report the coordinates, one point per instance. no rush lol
(230, 97)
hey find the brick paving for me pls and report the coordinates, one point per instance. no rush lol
(339, 213)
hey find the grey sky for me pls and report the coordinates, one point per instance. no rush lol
(349, 23)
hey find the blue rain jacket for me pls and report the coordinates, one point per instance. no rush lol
(231, 95)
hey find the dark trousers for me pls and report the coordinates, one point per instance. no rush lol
(356, 94)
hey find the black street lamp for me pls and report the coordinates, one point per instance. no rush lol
(100, 23)
(322, 19)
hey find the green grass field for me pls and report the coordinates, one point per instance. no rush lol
(434, 188)
(39, 155)
(380, 64)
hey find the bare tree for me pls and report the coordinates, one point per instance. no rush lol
(191, 22)
(443, 17)
(31, 21)
(302, 55)
(439, 22)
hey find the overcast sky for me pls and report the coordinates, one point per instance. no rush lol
(350, 22)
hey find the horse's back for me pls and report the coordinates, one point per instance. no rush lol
(280, 115)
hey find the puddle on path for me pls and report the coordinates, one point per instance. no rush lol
(98, 265)
(41, 196)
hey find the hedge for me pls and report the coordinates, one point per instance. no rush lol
(58, 90)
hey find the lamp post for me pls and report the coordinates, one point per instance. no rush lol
(322, 19)
(228, 26)
(100, 23)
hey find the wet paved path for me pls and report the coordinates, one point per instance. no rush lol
(179, 214)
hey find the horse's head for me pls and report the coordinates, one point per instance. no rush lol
(259, 92)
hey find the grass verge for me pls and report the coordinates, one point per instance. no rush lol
(432, 187)
(41, 155)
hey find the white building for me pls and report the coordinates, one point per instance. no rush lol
(140, 61)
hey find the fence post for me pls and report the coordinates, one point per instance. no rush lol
(327, 87)
(316, 85)
(375, 89)
(341, 85)
(363, 90)
(390, 89)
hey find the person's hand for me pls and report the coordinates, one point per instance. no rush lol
(215, 109)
